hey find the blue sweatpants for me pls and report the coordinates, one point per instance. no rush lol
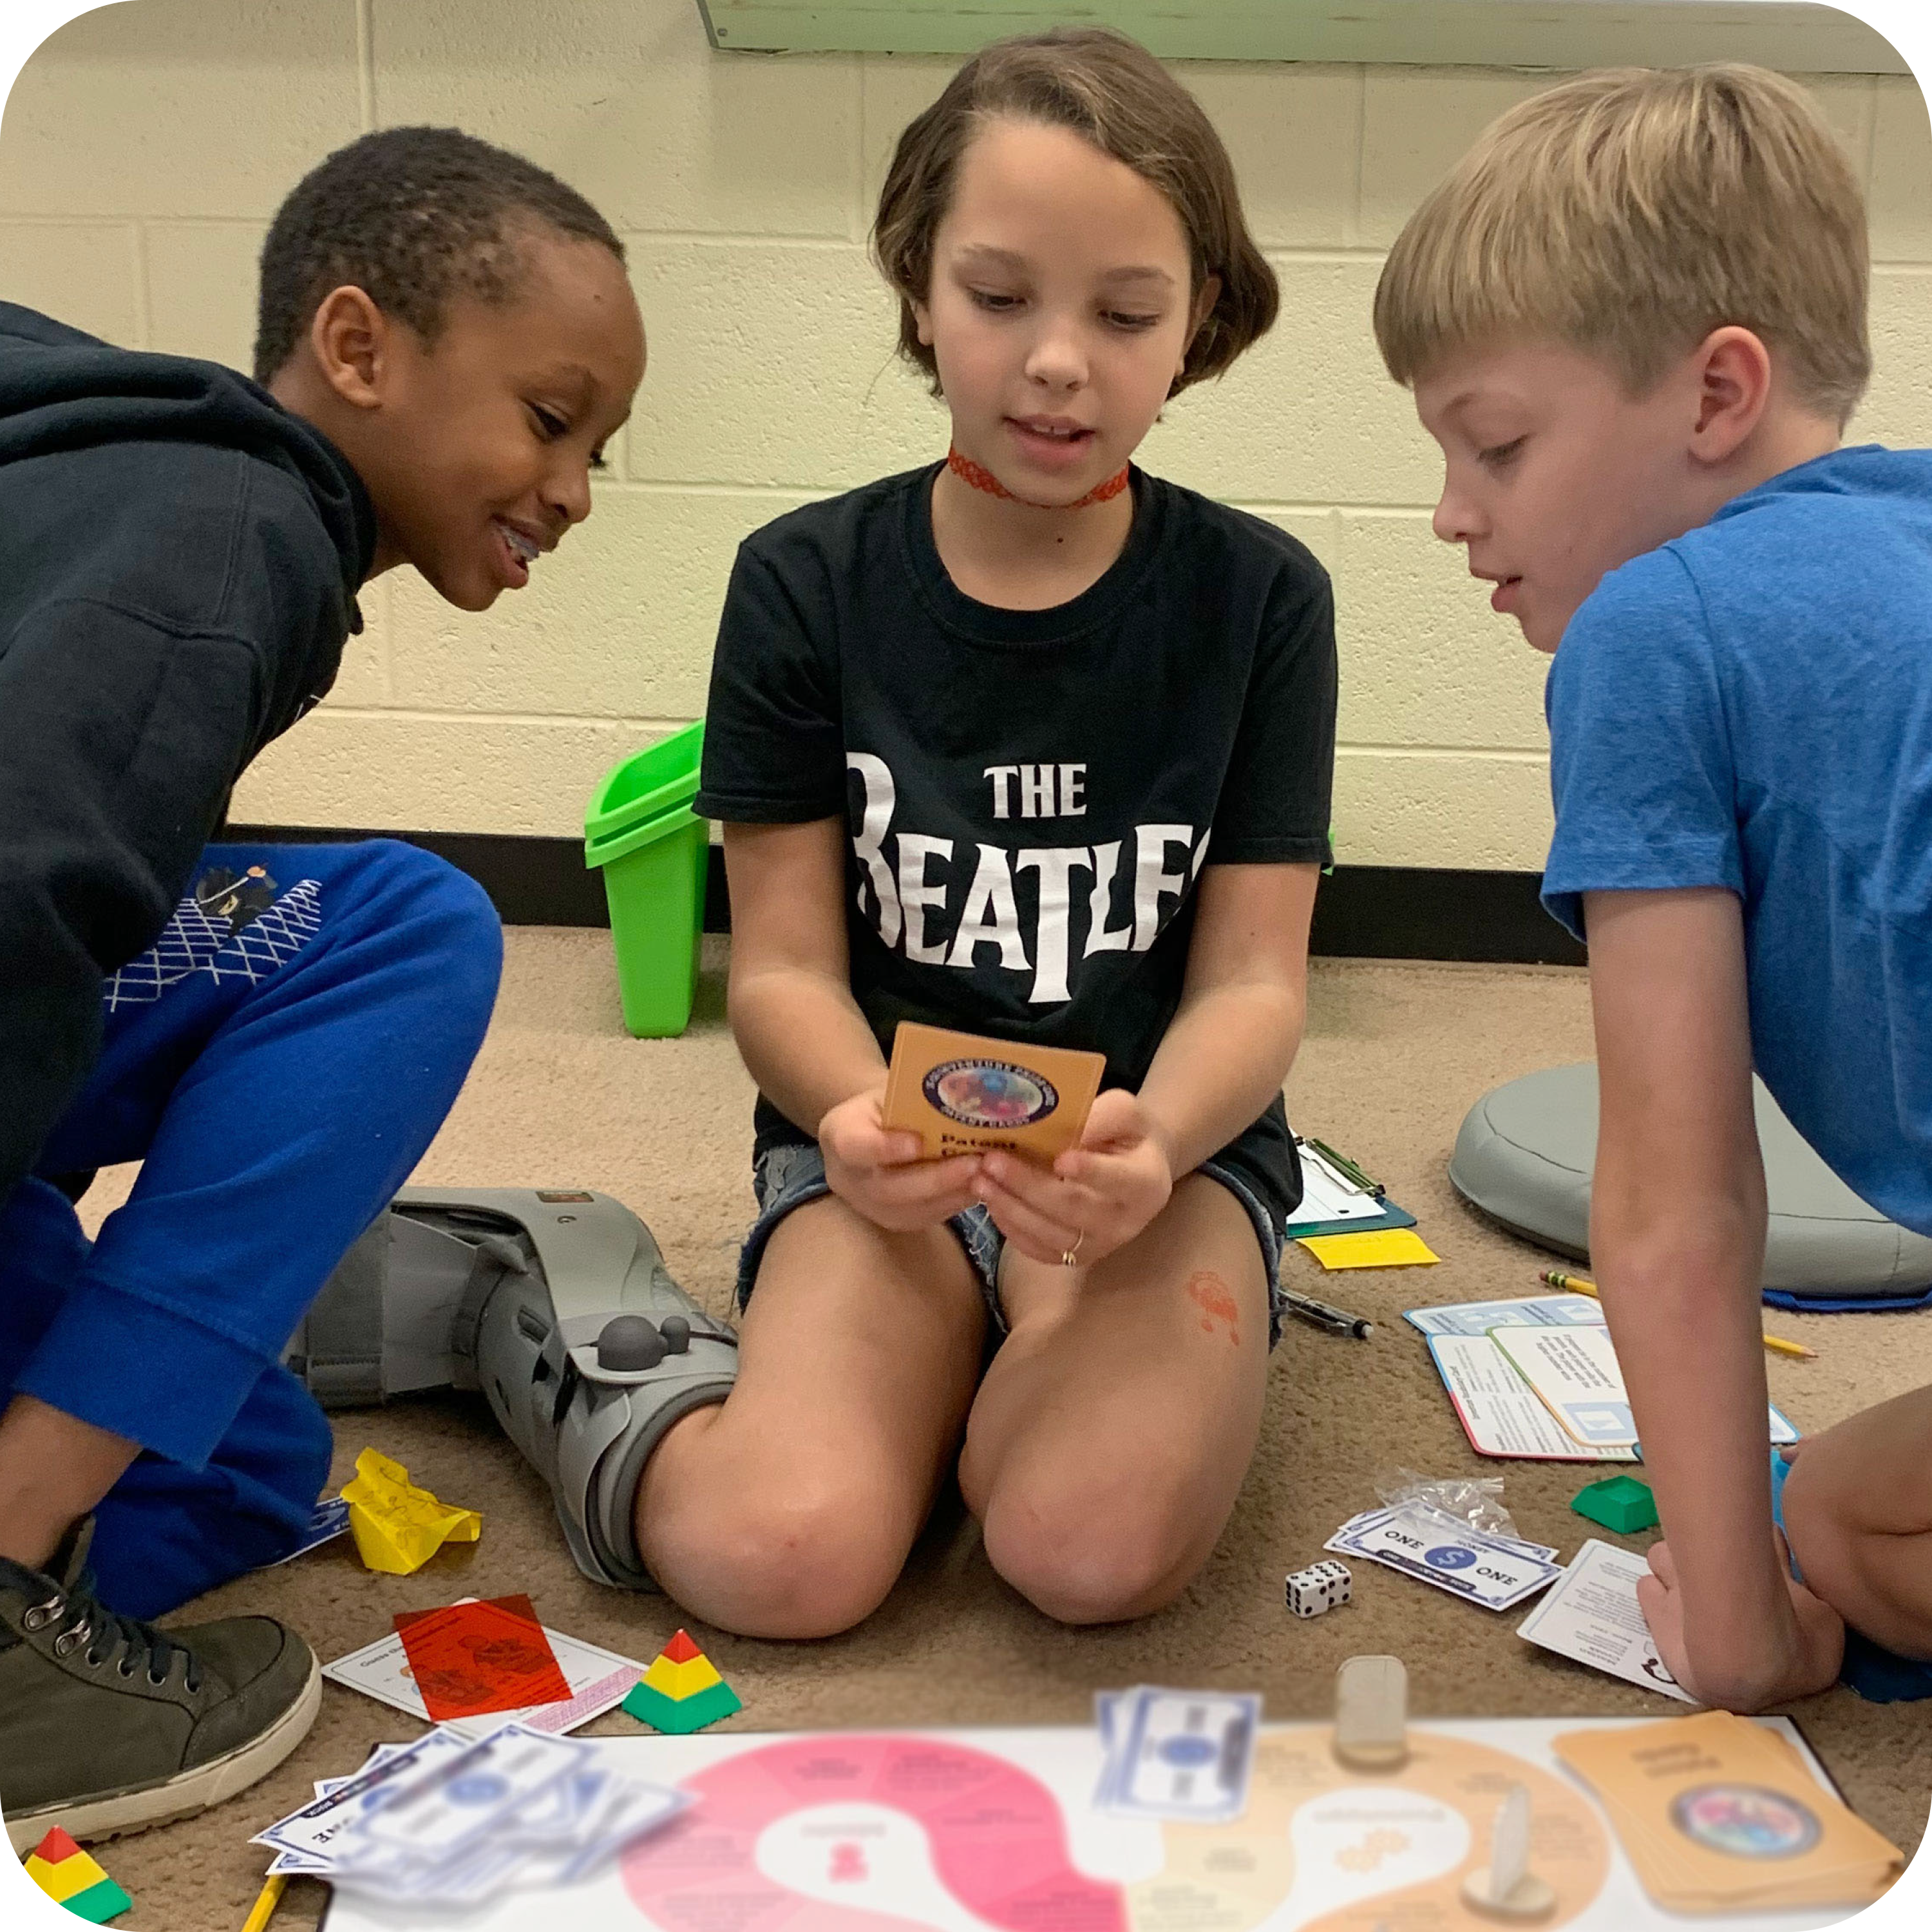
(278, 1062)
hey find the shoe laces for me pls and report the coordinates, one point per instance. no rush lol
(109, 1637)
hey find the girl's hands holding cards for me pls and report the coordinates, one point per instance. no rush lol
(877, 1170)
(1100, 1194)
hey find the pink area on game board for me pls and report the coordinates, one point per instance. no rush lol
(997, 1841)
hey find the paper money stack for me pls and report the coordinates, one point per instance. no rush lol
(1176, 1754)
(452, 1822)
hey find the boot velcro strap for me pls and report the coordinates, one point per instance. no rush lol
(342, 1331)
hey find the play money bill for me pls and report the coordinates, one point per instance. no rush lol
(1182, 1755)
(314, 1831)
(1374, 1518)
(1480, 1569)
(290, 1862)
(429, 1817)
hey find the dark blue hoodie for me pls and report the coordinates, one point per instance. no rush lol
(179, 557)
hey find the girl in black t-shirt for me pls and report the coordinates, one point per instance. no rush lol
(971, 730)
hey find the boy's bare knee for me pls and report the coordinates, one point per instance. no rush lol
(803, 1562)
(1084, 1566)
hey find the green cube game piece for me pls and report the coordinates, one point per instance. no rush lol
(1620, 1503)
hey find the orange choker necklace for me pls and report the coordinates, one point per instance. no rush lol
(981, 477)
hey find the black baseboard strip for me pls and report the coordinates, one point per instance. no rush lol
(1413, 912)
(1362, 912)
(531, 881)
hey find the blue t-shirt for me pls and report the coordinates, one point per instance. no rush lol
(1750, 706)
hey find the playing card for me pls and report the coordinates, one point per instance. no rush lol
(1593, 1615)
(327, 1521)
(1183, 1755)
(599, 1681)
(960, 1093)
(1480, 1569)
(1716, 1815)
(472, 1658)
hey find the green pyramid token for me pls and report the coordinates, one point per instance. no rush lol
(1620, 1503)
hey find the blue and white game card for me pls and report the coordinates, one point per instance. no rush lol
(327, 1521)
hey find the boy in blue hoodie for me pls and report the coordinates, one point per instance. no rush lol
(1634, 317)
(447, 339)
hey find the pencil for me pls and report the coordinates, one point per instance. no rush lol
(1575, 1284)
(270, 1896)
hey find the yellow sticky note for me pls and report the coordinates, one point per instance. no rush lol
(1382, 1247)
(398, 1527)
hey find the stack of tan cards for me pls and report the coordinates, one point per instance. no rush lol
(962, 1094)
(1718, 1814)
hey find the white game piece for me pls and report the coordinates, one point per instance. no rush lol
(1371, 1713)
(1318, 1588)
(1506, 1888)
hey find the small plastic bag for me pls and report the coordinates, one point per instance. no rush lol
(1474, 1501)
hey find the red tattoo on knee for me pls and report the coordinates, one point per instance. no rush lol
(1211, 1294)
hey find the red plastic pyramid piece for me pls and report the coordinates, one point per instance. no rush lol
(680, 1649)
(55, 1848)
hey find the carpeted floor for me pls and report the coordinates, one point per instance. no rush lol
(1394, 1055)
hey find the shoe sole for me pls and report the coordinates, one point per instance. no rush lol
(180, 1796)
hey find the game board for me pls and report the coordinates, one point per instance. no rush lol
(992, 1831)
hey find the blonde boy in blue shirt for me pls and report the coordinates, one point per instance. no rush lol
(1634, 317)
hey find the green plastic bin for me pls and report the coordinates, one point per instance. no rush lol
(654, 854)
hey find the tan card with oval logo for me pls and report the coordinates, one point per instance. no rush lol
(961, 1093)
(1718, 1814)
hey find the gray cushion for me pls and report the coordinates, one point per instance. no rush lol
(1525, 1151)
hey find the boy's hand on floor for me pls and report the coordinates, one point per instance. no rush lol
(880, 1173)
(1098, 1195)
(1812, 1642)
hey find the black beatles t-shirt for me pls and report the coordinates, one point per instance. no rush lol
(1030, 795)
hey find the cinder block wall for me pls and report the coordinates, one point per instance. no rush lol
(146, 145)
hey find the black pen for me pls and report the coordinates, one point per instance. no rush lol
(1319, 1314)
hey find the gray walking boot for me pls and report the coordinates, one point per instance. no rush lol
(558, 1306)
(108, 1725)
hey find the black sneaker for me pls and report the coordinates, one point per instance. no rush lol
(109, 1726)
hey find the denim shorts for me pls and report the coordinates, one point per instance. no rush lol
(786, 1174)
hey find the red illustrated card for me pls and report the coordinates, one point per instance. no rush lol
(470, 1659)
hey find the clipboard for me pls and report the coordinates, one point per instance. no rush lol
(1324, 1185)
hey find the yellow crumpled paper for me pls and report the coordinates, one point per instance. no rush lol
(398, 1527)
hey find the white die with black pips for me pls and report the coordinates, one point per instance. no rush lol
(1318, 1588)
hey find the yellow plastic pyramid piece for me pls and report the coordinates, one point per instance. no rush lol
(73, 1880)
(398, 1527)
(61, 1881)
(679, 1681)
